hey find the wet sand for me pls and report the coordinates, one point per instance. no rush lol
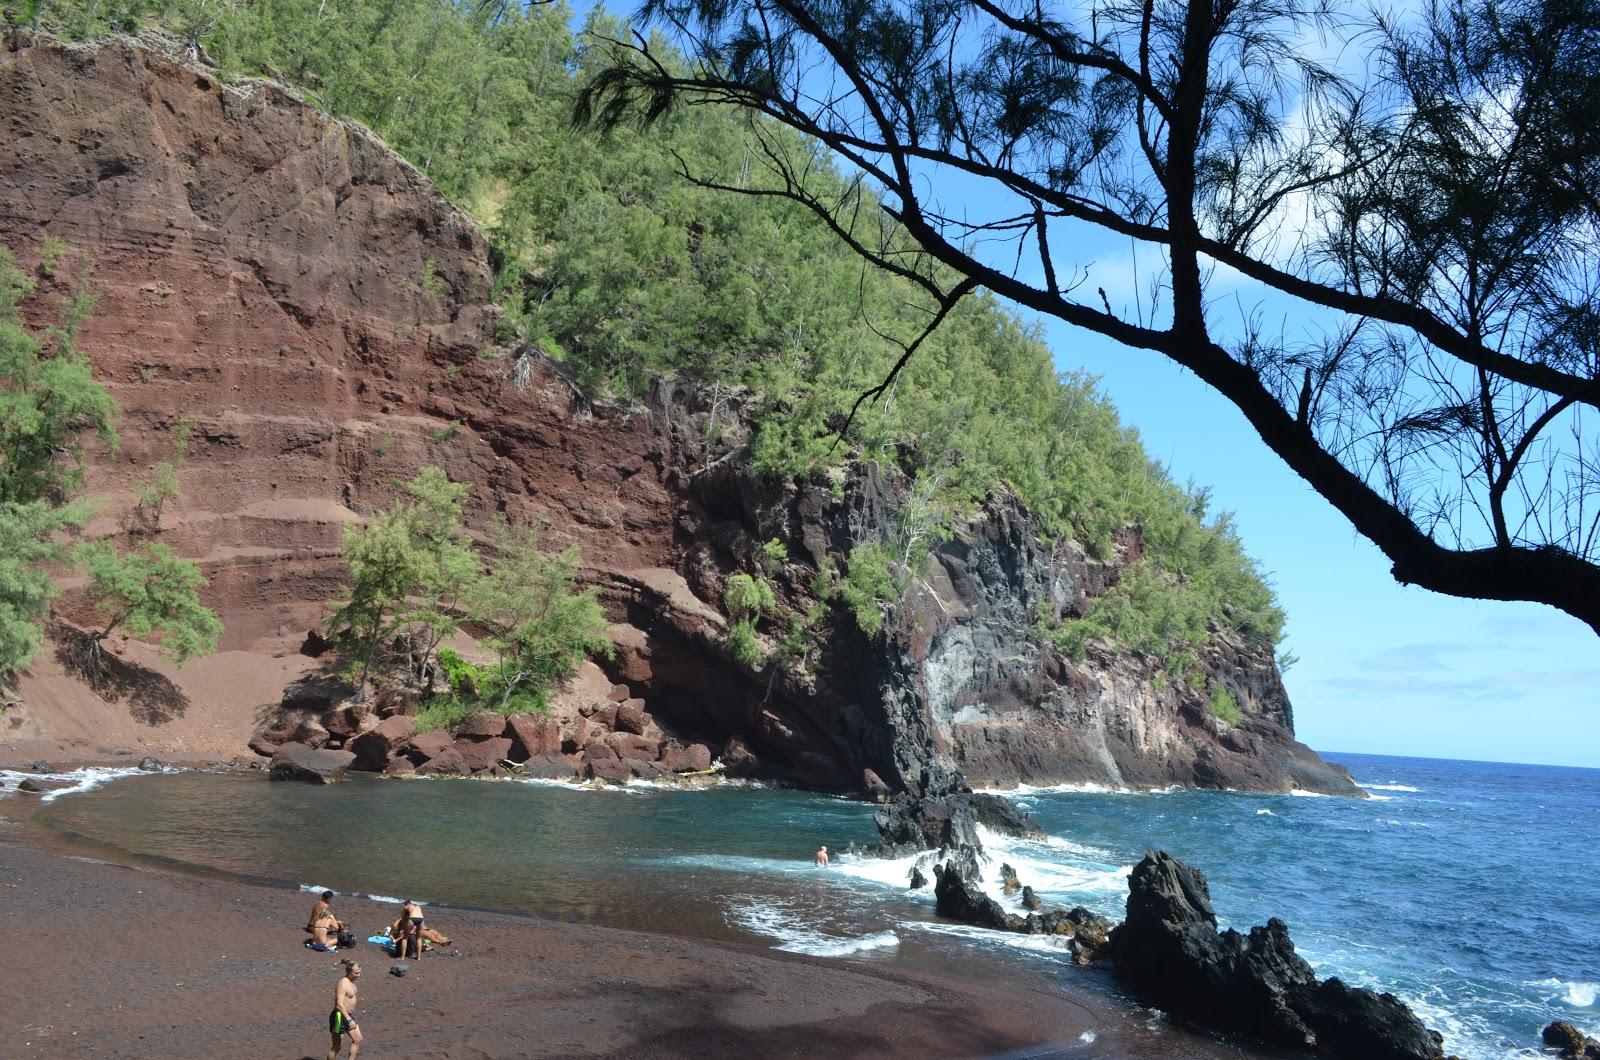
(130, 960)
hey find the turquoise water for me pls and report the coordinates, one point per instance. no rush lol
(1466, 888)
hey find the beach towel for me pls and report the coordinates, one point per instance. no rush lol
(313, 944)
(380, 940)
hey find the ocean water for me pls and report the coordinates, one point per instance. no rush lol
(1466, 888)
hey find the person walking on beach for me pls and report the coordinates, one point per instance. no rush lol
(822, 857)
(342, 1021)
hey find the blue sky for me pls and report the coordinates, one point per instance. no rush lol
(1383, 669)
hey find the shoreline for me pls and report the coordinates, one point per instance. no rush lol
(147, 959)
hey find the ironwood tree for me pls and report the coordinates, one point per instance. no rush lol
(1415, 199)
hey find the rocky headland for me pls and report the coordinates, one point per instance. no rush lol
(322, 316)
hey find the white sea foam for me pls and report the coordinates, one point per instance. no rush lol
(317, 888)
(1388, 787)
(1040, 945)
(1088, 1037)
(79, 780)
(1301, 793)
(794, 932)
(1265, 813)
(1080, 788)
(1576, 994)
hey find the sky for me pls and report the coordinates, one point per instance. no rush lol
(1383, 669)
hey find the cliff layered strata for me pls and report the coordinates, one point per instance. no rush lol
(321, 315)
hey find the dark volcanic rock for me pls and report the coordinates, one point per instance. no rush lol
(151, 764)
(947, 817)
(1169, 950)
(1571, 1042)
(296, 761)
(38, 787)
(374, 748)
(957, 894)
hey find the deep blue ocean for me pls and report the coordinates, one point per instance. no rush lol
(1467, 888)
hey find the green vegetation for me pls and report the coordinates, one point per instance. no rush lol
(51, 250)
(48, 401)
(409, 567)
(742, 644)
(607, 259)
(149, 592)
(1224, 704)
(150, 497)
(748, 597)
(868, 582)
(538, 622)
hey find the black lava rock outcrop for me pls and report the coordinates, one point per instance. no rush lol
(1570, 1041)
(1169, 951)
(946, 817)
(959, 895)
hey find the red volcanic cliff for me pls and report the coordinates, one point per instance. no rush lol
(320, 313)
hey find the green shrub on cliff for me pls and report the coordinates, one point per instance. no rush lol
(49, 400)
(608, 259)
(539, 623)
(149, 592)
(409, 567)
(1224, 704)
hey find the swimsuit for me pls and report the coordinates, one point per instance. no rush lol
(339, 1023)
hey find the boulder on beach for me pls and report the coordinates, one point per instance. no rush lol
(34, 786)
(446, 763)
(482, 726)
(696, 758)
(1170, 951)
(295, 761)
(428, 745)
(482, 753)
(532, 735)
(549, 766)
(375, 747)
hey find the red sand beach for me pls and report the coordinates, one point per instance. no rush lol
(130, 960)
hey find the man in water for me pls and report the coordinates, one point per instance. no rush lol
(321, 910)
(822, 857)
(341, 1021)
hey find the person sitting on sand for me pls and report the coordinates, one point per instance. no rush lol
(320, 910)
(342, 1020)
(324, 934)
(400, 930)
(822, 857)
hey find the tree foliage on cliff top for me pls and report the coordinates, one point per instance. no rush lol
(608, 258)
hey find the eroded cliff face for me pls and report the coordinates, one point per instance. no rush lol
(321, 315)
